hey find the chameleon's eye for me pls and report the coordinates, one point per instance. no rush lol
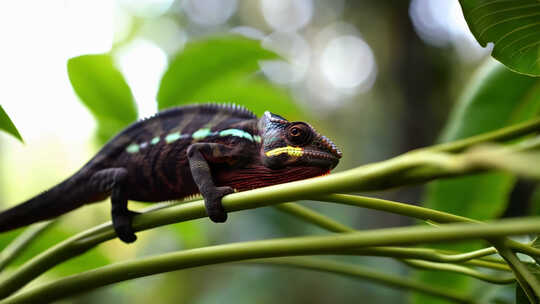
(299, 134)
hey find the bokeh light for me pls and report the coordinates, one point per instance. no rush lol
(441, 23)
(166, 33)
(348, 62)
(285, 15)
(295, 49)
(210, 12)
(142, 62)
(146, 8)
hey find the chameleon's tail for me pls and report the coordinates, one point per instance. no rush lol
(44, 206)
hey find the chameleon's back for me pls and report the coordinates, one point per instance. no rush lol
(153, 150)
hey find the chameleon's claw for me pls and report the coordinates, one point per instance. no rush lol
(213, 205)
(122, 227)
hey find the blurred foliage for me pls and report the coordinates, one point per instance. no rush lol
(104, 91)
(223, 70)
(7, 125)
(514, 28)
(497, 97)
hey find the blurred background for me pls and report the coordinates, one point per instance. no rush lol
(378, 77)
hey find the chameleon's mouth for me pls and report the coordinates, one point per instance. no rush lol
(321, 159)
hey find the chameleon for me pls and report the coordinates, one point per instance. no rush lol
(207, 149)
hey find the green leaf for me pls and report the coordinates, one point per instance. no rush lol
(7, 125)
(104, 91)
(513, 26)
(496, 98)
(222, 70)
(255, 94)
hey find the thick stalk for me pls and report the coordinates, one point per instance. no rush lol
(356, 271)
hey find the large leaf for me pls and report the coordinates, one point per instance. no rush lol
(255, 94)
(496, 98)
(103, 89)
(513, 26)
(7, 125)
(222, 70)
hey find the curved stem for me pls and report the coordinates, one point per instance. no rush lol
(500, 135)
(394, 207)
(526, 280)
(21, 242)
(313, 217)
(356, 271)
(461, 270)
(270, 248)
(323, 221)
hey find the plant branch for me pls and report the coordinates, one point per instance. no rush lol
(500, 135)
(357, 271)
(323, 221)
(21, 242)
(313, 217)
(461, 270)
(271, 248)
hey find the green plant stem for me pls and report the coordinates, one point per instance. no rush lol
(499, 135)
(526, 280)
(313, 217)
(271, 248)
(461, 270)
(394, 207)
(429, 254)
(415, 212)
(21, 242)
(325, 222)
(82, 242)
(357, 271)
(525, 249)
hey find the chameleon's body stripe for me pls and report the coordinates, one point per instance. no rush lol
(292, 151)
(172, 137)
(133, 148)
(201, 133)
(237, 133)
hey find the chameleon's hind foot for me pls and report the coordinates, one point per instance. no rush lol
(122, 227)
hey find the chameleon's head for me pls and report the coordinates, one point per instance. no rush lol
(287, 144)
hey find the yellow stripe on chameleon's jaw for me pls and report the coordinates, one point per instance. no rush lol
(292, 151)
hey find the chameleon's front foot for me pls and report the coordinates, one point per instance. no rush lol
(122, 226)
(213, 205)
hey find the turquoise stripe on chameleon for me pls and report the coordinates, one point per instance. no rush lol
(257, 138)
(155, 140)
(172, 137)
(237, 133)
(200, 134)
(133, 148)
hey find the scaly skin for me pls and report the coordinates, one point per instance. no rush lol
(207, 149)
